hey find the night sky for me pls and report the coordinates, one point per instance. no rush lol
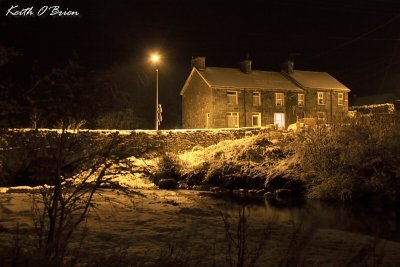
(355, 41)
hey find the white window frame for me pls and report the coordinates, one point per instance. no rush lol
(340, 99)
(300, 100)
(229, 95)
(258, 116)
(279, 101)
(233, 114)
(321, 98)
(321, 118)
(256, 98)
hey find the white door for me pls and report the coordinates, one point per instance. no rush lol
(279, 120)
(233, 119)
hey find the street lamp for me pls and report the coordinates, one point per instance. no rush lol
(155, 58)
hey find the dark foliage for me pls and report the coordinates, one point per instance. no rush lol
(40, 97)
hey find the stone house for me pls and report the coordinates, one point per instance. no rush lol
(214, 97)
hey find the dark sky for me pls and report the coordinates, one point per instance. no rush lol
(356, 41)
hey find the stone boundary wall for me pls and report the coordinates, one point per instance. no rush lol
(178, 141)
(139, 142)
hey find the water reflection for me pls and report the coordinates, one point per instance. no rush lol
(375, 220)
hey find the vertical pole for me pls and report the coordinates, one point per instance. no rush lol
(156, 99)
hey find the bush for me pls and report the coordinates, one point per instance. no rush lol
(233, 174)
(358, 159)
(169, 166)
(232, 164)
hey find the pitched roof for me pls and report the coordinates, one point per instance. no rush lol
(267, 80)
(235, 78)
(315, 80)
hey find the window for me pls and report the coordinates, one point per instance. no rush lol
(321, 98)
(256, 98)
(321, 116)
(256, 119)
(279, 120)
(340, 99)
(279, 99)
(233, 119)
(232, 97)
(207, 120)
(300, 100)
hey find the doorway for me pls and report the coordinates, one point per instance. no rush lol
(279, 120)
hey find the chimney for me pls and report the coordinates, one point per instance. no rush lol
(199, 63)
(245, 66)
(288, 66)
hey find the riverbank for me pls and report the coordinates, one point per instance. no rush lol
(358, 160)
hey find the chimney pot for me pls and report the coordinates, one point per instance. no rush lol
(199, 63)
(288, 66)
(245, 66)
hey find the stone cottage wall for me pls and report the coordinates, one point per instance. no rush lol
(196, 103)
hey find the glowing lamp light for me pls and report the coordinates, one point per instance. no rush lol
(155, 58)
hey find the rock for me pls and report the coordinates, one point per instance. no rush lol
(283, 193)
(201, 187)
(260, 192)
(168, 183)
(171, 202)
(240, 192)
(296, 186)
(215, 189)
(183, 185)
(269, 195)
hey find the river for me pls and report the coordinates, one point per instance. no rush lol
(191, 226)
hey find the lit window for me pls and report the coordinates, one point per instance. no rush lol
(256, 98)
(321, 98)
(300, 100)
(233, 119)
(279, 120)
(340, 99)
(256, 119)
(279, 99)
(321, 116)
(232, 97)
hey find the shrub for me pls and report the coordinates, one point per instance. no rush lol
(169, 166)
(354, 160)
(233, 174)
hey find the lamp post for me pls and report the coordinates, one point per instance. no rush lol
(155, 58)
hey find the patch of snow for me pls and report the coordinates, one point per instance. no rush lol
(3, 190)
(292, 127)
(387, 107)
